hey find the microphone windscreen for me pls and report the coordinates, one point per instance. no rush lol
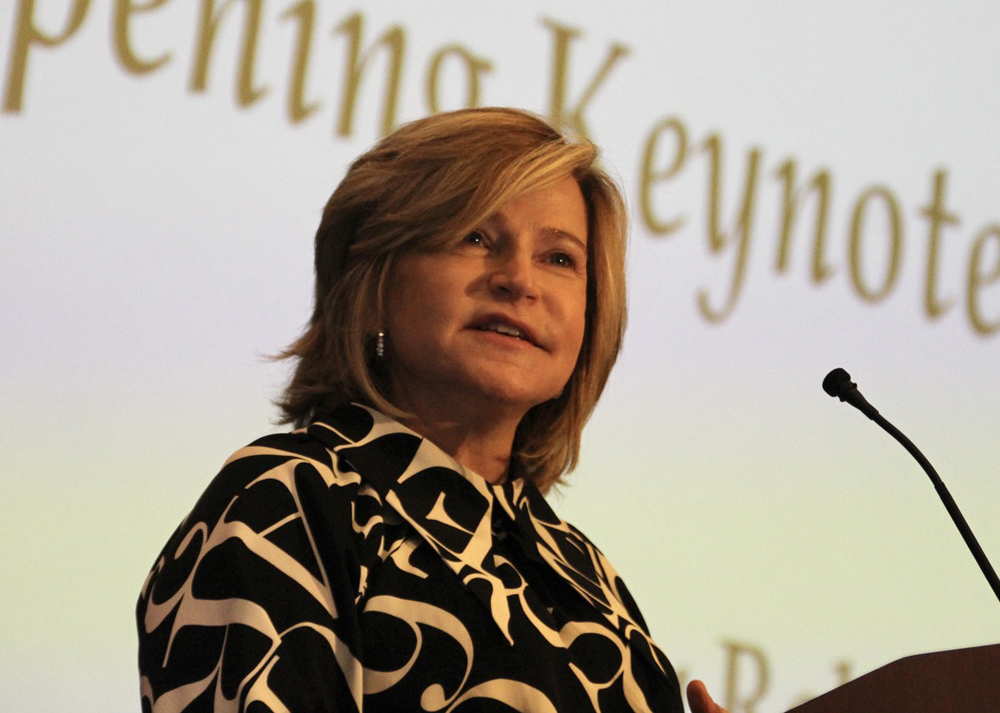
(836, 381)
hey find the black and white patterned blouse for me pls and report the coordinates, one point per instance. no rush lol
(354, 566)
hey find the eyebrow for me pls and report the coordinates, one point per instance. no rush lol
(556, 232)
(498, 219)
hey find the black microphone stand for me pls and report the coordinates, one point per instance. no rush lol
(838, 384)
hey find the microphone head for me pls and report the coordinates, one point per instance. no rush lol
(837, 382)
(839, 385)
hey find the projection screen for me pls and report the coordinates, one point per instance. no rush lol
(810, 185)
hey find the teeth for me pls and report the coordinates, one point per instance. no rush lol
(502, 328)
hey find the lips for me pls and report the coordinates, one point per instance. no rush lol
(507, 327)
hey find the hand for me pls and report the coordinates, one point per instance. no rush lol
(699, 701)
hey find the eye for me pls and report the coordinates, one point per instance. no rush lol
(476, 237)
(561, 259)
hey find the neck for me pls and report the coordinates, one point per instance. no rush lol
(481, 439)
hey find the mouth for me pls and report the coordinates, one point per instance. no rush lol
(507, 328)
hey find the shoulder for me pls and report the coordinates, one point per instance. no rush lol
(262, 576)
(272, 478)
(284, 504)
(281, 522)
(309, 476)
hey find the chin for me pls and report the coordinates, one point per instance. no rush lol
(507, 392)
(506, 386)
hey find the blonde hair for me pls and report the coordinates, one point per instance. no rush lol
(421, 187)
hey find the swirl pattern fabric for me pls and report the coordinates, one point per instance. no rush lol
(354, 566)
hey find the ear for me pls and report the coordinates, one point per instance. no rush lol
(373, 317)
(373, 320)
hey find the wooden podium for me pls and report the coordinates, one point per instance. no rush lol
(959, 681)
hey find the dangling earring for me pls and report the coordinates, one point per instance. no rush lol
(380, 344)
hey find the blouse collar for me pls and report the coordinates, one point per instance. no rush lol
(453, 509)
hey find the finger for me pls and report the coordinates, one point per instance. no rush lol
(698, 699)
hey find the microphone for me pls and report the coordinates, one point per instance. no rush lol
(839, 385)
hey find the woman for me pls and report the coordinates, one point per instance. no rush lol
(395, 552)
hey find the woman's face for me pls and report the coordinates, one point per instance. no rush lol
(496, 320)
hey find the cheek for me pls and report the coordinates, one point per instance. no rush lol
(577, 316)
(406, 293)
(419, 312)
(574, 321)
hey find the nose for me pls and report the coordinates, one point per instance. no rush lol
(513, 276)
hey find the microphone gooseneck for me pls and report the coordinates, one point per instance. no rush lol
(839, 385)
